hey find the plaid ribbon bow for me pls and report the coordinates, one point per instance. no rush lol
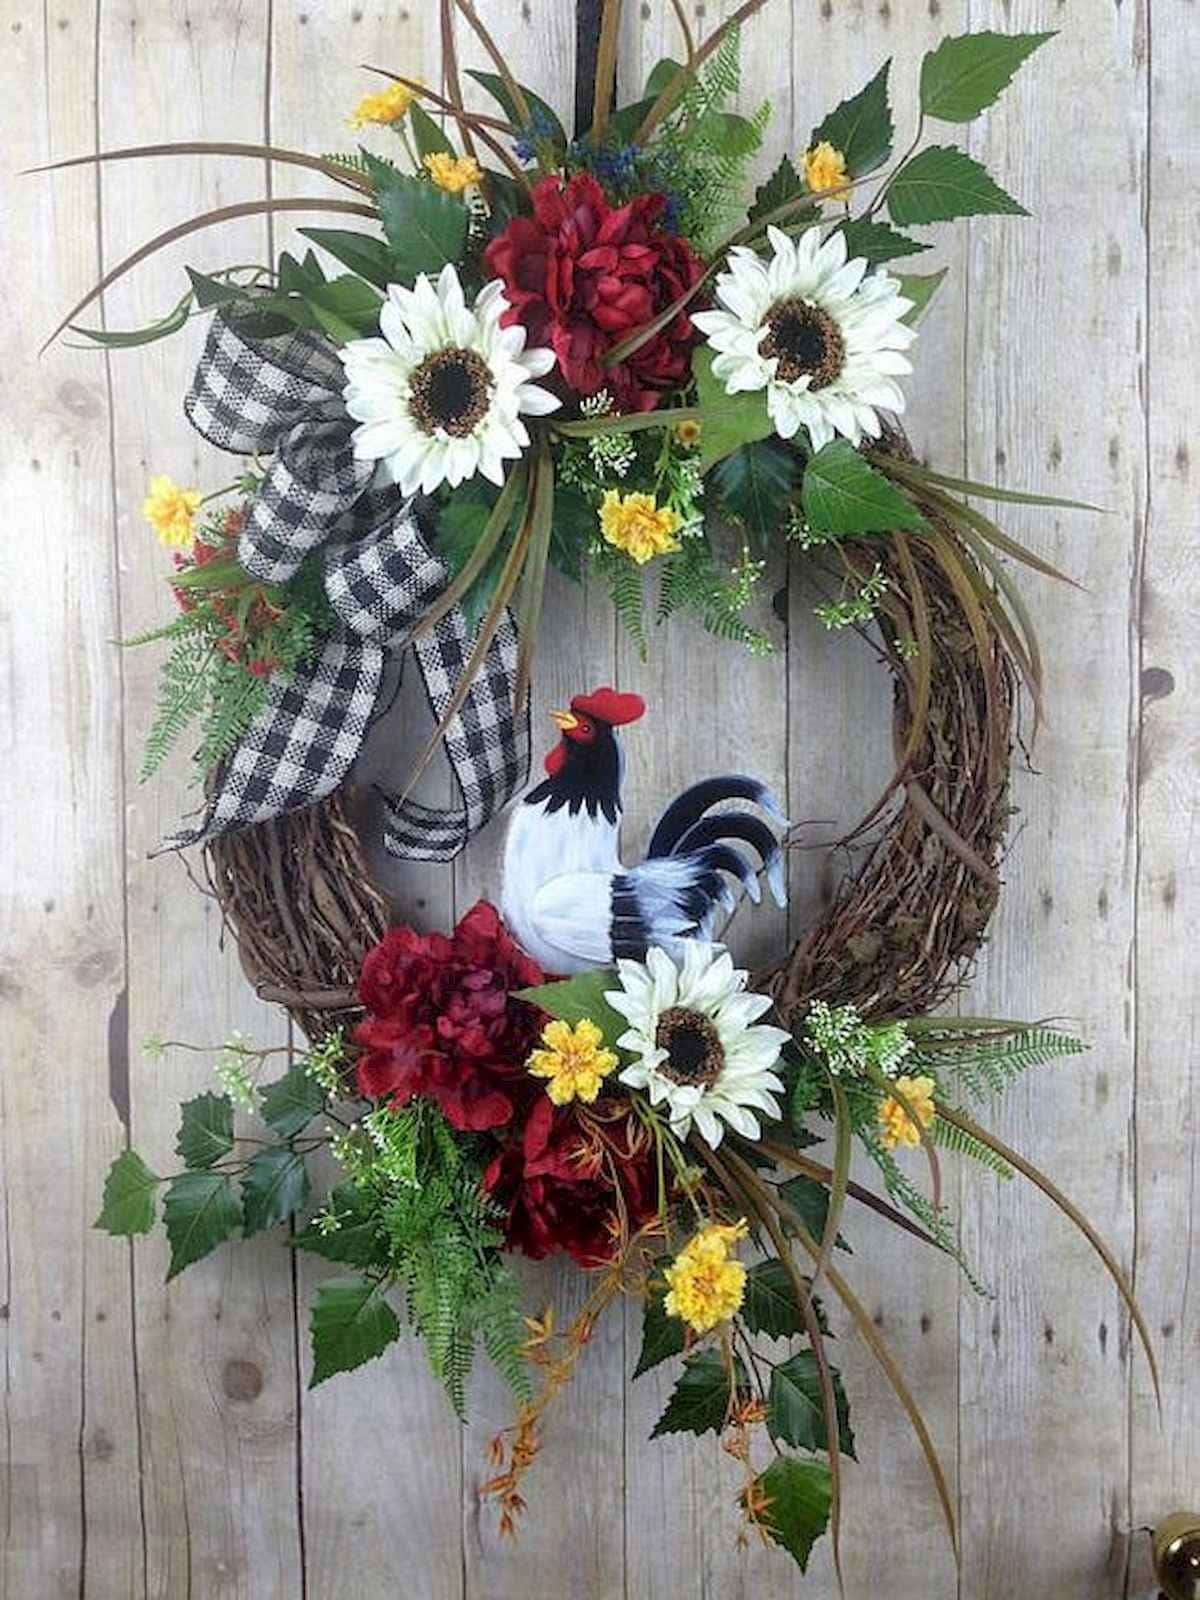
(282, 396)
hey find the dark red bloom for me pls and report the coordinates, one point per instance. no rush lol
(557, 1181)
(580, 274)
(441, 1022)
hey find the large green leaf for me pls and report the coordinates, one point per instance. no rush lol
(770, 1305)
(361, 252)
(810, 1201)
(205, 1130)
(542, 113)
(291, 1102)
(966, 74)
(729, 420)
(784, 184)
(274, 1185)
(425, 226)
(351, 1323)
(354, 1242)
(920, 288)
(843, 493)
(876, 242)
(943, 182)
(755, 484)
(662, 1335)
(345, 308)
(582, 996)
(700, 1400)
(428, 136)
(797, 1514)
(861, 127)
(796, 1411)
(200, 1210)
(128, 1203)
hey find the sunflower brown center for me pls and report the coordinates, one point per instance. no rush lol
(806, 339)
(450, 390)
(695, 1054)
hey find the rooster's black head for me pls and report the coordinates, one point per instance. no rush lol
(584, 767)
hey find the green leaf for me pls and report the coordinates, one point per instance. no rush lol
(663, 1336)
(661, 74)
(943, 182)
(729, 420)
(498, 89)
(291, 1102)
(876, 242)
(351, 1323)
(355, 1242)
(728, 134)
(205, 1130)
(429, 137)
(861, 127)
(345, 308)
(297, 277)
(128, 1203)
(425, 226)
(797, 1513)
(130, 338)
(843, 493)
(810, 1200)
(508, 200)
(625, 122)
(796, 1411)
(461, 524)
(755, 484)
(212, 292)
(582, 996)
(770, 1306)
(784, 184)
(966, 74)
(700, 1400)
(920, 288)
(274, 1185)
(361, 252)
(200, 1210)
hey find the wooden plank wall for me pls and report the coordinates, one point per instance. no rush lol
(158, 1441)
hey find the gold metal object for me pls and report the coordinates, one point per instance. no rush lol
(1177, 1555)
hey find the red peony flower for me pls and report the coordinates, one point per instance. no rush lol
(557, 1182)
(441, 1022)
(580, 275)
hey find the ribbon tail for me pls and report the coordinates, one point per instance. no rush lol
(301, 745)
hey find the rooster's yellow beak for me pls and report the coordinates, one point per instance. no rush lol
(566, 720)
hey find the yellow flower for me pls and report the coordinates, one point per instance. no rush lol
(825, 168)
(574, 1061)
(171, 512)
(898, 1126)
(388, 106)
(688, 431)
(704, 1283)
(635, 524)
(452, 173)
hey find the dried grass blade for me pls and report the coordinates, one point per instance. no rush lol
(606, 68)
(473, 119)
(988, 491)
(843, 1129)
(685, 28)
(967, 1124)
(672, 93)
(783, 1157)
(244, 208)
(957, 512)
(516, 93)
(208, 147)
(541, 517)
(450, 67)
(1022, 645)
(493, 531)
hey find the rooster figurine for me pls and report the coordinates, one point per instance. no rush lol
(567, 897)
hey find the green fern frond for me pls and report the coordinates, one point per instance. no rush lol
(986, 1064)
(182, 688)
(948, 1136)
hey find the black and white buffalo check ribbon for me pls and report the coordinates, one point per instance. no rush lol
(281, 396)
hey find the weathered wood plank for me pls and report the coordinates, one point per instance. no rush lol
(69, 1448)
(216, 1348)
(1043, 1426)
(1166, 1453)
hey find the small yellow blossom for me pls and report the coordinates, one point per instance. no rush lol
(453, 173)
(171, 512)
(388, 106)
(688, 431)
(636, 524)
(898, 1126)
(825, 168)
(705, 1285)
(574, 1061)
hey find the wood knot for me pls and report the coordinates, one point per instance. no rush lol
(242, 1380)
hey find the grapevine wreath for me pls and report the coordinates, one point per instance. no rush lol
(589, 352)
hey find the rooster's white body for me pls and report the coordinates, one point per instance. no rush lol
(568, 898)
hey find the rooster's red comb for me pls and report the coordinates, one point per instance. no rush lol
(606, 705)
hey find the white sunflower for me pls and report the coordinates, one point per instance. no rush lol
(439, 397)
(701, 1049)
(813, 329)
